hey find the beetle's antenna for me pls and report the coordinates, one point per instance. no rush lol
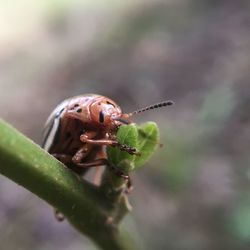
(154, 106)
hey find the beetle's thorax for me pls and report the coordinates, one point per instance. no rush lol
(95, 113)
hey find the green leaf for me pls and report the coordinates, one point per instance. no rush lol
(126, 135)
(148, 138)
(144, 138)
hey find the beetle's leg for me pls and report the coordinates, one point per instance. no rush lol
(77, 160)
(63, 158)
(80, 154)
(94, 163)
(108, 142)
(128, 149)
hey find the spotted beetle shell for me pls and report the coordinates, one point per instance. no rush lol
(52, 125)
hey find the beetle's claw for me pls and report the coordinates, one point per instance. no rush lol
(128, 149)
(133, 151)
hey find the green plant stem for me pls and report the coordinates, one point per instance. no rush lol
(83, 204)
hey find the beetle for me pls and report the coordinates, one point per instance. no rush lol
(80, 127)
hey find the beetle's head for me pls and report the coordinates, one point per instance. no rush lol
(103, 111)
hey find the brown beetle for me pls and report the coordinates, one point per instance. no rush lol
(79, 128)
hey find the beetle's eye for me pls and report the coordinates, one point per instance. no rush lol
(101, 117)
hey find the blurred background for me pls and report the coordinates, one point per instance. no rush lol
(194, 194)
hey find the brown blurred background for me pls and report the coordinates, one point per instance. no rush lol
(195, 192)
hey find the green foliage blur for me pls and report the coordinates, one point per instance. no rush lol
(143, 138)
